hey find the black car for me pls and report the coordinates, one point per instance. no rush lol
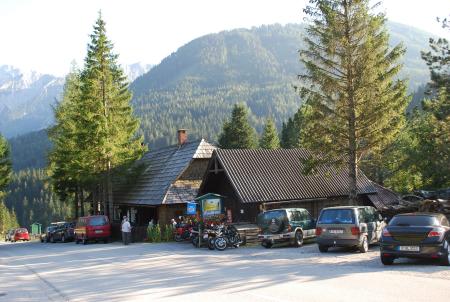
(416, 235)
(63, 232)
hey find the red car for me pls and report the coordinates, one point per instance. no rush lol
(21, 234)
(92, 228)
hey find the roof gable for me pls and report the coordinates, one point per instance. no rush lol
(162, 168)
(276, 175)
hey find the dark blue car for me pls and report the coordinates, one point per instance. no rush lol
(416, 235)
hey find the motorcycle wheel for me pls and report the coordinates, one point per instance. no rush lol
(195, 241)
(211, 243)
(178, 238)
(220, 243)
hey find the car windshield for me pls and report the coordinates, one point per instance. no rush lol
(97, 221)
(50, 228)
(414, 220)
(21, 231)
(266, 217)
(337, 216)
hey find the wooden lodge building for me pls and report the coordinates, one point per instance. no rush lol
(166, 180)
(253, 180)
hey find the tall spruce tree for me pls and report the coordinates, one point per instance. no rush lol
(65, 170)
(107, 126)
(269, 138)
(357, 105)
(237, 132)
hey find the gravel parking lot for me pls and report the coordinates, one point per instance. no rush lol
(178, 272)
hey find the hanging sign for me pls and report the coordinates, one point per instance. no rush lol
(191, 208)
(211, 207)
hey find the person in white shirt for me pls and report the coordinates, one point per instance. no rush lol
(126, 231)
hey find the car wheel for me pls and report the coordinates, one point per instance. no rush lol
(445, 261)
(106, 240)
(386, 260)
(266, 244)
(298, 239)
(364, 247)
(323, 248)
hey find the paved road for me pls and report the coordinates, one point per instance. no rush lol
(178, 272)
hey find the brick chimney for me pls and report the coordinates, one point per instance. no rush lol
(182, 136)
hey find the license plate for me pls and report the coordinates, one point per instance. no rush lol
(409, 248)
(98, 231)
(336, 231)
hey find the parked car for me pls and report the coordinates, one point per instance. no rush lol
(92, 228)
(350, 226)
(21, 234)
(9, 235)
(285, 225)
(416, 235)
(45, 236)
(64, 232)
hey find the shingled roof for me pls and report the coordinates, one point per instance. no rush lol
(157, 183)
(276, 175)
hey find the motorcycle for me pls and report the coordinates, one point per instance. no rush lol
(183, 232)
(228, 236)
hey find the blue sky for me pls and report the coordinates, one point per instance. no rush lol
(47, 35)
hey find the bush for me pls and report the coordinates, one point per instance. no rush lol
(154, 233)
(168, 233)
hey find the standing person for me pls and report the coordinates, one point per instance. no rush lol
(174, 223)
(126, 230)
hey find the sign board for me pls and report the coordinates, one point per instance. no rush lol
(211, 207)
(191, 208)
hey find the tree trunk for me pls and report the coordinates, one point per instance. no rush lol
(110, 193)
(76, 203)
(352, 159)
(82, 202)
(104, 197)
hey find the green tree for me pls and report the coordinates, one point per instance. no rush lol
(237, 132)
(64, 159)
(107, 127)
(5, 166)
(357, 106)
(269, 138)
(294, 131)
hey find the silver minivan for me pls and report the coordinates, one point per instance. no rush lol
(349, 226)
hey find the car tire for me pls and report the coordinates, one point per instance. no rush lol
(106, 240)
(323, 248)
(445, 260)
(387, 260)
(298, 239)
(266, 244)
(364, 246)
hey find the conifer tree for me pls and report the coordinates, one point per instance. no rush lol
(64, 159)
(107, 130)
(357, 105)
(237, 132)
(269, 138)
(5, 166)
